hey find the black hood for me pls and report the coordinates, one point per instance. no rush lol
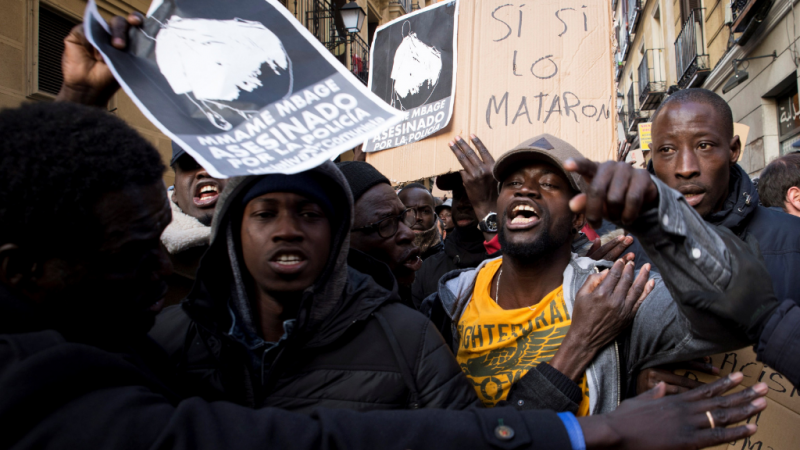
(741, 203)
(218, 290)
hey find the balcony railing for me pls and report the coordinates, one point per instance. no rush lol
(634, 12)
(405, 4)
(623, 40)
(690, 54)
(652, 79)
(619, 65)
(634, 115)
(359, 57)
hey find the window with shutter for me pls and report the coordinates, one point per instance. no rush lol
(53, 28)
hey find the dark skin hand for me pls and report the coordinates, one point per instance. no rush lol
(611, 250)
(87, 78)
(676, 384)
(617, 191)
(479, 182)
(604, 306)
(656, 422)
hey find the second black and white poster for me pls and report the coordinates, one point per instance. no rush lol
(413, 68)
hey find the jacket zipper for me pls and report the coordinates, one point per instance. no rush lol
(619, 377)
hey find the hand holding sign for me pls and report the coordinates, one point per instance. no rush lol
(87, 78)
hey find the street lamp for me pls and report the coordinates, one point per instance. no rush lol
(352, 16)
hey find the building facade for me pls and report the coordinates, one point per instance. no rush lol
(32, 34)
(668, 45)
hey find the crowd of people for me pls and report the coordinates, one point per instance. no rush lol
(538, 307)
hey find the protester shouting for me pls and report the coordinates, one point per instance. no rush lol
(278, 318)
(186, 238)
(532, 326)
(713, 273)
(382, 224)
(426, 234)
(610, 246)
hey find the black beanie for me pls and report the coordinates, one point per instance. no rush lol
(304, 183)
(361, 177)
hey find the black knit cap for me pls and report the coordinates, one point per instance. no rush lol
(361, 177)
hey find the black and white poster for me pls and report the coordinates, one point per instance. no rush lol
(413, 68)
(242, 86)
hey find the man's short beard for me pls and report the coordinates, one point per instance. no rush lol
(544, 246)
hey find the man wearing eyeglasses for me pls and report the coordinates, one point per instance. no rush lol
(382, 224)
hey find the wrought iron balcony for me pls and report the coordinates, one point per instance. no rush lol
(652, 79)
(359, 57)
(690, 51)
(623, 41)
(747, 16)
(634, 115)
(634, 12)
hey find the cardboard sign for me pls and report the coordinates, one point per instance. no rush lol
(645, 138)
(778, 429)
(242, 86)
(524, 68)
(413, 68)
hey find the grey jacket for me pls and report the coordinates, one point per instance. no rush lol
(660, 333)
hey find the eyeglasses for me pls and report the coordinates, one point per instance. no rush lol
(387, 227)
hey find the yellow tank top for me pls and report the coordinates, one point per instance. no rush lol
(498, 346)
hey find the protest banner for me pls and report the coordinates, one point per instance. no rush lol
(524, 68)
(241, 86)
(413, 68)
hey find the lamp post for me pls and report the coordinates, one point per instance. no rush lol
(352, 16)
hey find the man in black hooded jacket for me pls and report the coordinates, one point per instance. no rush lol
(278, 317)
(696, 153)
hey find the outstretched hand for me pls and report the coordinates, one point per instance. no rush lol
(692, 420)
(615, 191)
(87, 78)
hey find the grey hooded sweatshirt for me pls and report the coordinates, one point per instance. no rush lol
(660, 334)
(352, 345)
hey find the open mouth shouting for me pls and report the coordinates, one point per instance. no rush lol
(206, 194)
(288, 262)
(522, 216)
(412, 260)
